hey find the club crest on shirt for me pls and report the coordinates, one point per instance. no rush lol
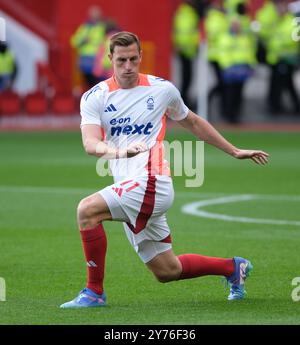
(150, 103)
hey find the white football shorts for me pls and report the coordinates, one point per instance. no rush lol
(141, 204)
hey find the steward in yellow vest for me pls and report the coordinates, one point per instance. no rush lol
(8, 67)
(231, 6)
(216, 23)
(186, 38)
(280, 45)
(186, 34)
(236, 48)
(86, 41)
(266, 18)
(236, 59)
(283, 57)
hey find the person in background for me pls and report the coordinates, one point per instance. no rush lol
(102, 69)
(282, 56)
(216, 23)
(186, 37)
(236, 59)
(266, 19)
(241, 14)
(8, 67)
(231, 6)
(86, 41)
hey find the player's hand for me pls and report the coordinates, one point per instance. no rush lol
(133, 150)
(259, 157)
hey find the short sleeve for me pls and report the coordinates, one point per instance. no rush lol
(91, 107)
(176, 110)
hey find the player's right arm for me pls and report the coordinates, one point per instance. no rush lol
(91, 107)
(93, 145)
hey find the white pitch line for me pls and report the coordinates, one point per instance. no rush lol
(87, 191)
(188, 193)
(193, 209)
(44, 190)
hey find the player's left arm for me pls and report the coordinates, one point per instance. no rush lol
(203, 130)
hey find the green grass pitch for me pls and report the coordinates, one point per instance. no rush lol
(43, 176)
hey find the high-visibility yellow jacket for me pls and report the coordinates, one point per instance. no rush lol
(186, 35)
(245, 23)
(7, 63)
(233, 15)
(236, 50)
(88, 37)
(231, 5)
(216, 24)
(267, 17)
(281, 46)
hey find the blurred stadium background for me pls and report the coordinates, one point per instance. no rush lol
(44, 173)
(48, 83)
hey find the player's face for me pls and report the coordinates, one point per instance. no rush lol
(126, 63)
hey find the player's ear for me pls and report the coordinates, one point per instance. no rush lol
(141, 55)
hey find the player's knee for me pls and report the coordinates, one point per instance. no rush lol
(83, 209)
(163, 277)
(87, 214)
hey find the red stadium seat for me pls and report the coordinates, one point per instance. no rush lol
(36, 104)
(10, 103)
(63, 104)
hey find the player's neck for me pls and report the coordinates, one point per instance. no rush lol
(126, 83)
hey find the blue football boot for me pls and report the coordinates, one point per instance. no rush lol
(86, 299)
(236, 281)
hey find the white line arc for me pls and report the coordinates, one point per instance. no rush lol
(194, 209)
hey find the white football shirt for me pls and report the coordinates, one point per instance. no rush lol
(136, 115)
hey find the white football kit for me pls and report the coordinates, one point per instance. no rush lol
(143, 189)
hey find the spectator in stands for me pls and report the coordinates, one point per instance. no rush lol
(236, 59)
(267, 18)
(283, 57)
(86, 41)
(216, 23)
(8, 67)
(231, 6)
(186, 37)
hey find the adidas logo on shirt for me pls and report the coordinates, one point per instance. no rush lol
(110, 108)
